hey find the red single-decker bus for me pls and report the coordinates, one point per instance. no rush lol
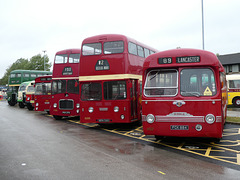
(184, 94)
(42, 93)
(65, 84)
(110, 79)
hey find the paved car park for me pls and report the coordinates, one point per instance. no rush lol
(35, 146)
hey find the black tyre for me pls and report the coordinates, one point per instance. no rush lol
(11, 103)
(236, 101)
(30, 107)
(57, 117)
(21, 105)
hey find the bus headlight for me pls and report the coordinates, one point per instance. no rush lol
(78, 105)
(150, 118)
(36, 104)
(198, 127)
(210, 118)
(122, 116)
(55, 105)
(28, 98)
(116, 109)
(90, 109)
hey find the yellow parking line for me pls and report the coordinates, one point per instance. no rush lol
(208, 151)
(181, 145)
(162, 173)
(238, 159)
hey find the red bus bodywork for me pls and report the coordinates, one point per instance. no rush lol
(65, 84)
(184, 94)
(110, 79)
(42, 93)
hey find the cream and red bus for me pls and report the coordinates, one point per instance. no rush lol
(184, 94)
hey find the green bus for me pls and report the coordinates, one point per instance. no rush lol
(16, 78)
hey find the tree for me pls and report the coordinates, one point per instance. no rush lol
(35, 63)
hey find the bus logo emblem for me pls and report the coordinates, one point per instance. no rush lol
(179, 103)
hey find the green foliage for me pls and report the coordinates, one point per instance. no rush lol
(35, 63)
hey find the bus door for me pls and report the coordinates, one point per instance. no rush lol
(133, 99)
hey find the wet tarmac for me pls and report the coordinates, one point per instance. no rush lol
(233, 111)
(35, 146)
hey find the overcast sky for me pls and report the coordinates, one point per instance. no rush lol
(27, 27)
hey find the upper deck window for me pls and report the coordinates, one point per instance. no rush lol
(13, 75)
(161, 83)
(113, 47)
(197, 82)
(18, 75)
(26, 75)
(132, 48)
(152, 52)
(74, 58)
(61, 58)
(91, 49)
(33, 75)
(140, 51)
(146, 52)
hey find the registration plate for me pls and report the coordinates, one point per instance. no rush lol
(103, 120)
(66, 112)
(179, 127)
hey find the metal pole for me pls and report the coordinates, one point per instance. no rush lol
(202, 27)
(44, 59)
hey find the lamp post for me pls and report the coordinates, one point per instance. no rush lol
(44, 59)
(202, 27)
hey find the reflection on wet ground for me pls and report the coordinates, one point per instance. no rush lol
(224, 151)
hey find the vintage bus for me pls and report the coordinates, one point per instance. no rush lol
(110, 79)
(42, 95)
(25, 87)
(65, 84)
(184, 94)
(234, 89)
(29, 100)
(16, 78)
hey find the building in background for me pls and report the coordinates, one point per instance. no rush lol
(230, 62)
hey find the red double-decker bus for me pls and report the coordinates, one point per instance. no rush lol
(184, 94)
(110, 79)
(65, 84)
(42, 95)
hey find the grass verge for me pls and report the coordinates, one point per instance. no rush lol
(233, 119)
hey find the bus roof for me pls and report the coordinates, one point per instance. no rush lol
(184, 56)
(43, 78)
(27, 71)
(27, 82)
(113, 37)
(69, 51)
(233, 77)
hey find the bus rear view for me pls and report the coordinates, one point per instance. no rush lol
(184, 94)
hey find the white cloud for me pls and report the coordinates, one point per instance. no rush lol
(28, 27)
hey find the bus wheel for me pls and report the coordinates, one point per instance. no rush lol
(57, 117)
(30, 107)
(159, 137)
(21, 105)
(11, 103)
(236, 101)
